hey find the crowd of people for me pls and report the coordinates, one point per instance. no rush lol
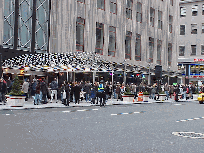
(99, 92)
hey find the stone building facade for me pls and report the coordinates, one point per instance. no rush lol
(137, 39)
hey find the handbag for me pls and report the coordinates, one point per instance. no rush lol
(64, 95)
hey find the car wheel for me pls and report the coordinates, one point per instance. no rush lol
(200, 102)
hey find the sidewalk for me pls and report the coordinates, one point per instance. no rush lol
(29, 104)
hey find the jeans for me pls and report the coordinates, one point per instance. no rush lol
(40, 95)
(88, 97)
(167, 94)
(184, 93)
(153, 95)
(2, 97)
(37, 99)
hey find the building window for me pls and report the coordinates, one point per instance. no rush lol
(182, 29)
(159, 20)
(193, 28)
(81, 1)
(195, 10)
(80, 23)
(151, 49)
(112, 41)
(129, 4)
(170, 23)
(181, 50)
(128, 45)
(169, 54)
(139, 12)
(172, 2)
(101, 4)
(202, 27)
(99, 38)
(138, 47)
(202, 49)
(193, 49)
(182, 12)
(113, 6)
(203, 9)
(152, 16)
(9, 16)
(29, 28)
(159, 48)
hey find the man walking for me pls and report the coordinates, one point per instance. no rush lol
(44, 90)
(77, 93)
(25, 88)
(166, 90)
(54, 88)
(37, 94)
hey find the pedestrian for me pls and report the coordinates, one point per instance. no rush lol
(67, 90)
(37, 94)
(87, 89)
(3, 91)
(25, 88)
(166, 90)
(118, 90)
(134, 87)
(77, 93)
(110, 89)
(9, 84)
(62, 91)
(153, 91)
(44, 90)
(33, 87)
(101, 93)
(54, 89)
(95, 91)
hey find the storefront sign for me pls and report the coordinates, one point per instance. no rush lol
(198, 60)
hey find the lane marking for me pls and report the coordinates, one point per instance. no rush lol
(190, 119)
(129, 113)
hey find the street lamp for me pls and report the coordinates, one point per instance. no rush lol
(124, 78)
(168, 69)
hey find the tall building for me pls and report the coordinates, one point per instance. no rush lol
(141, 32)
(191, 39)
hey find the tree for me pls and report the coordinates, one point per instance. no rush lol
(16, 88)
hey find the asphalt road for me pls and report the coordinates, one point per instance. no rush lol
(142, 128)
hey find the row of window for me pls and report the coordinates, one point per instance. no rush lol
(112, 42)
(129, 5)
(194, 10)
(193, 50)
(194, 29)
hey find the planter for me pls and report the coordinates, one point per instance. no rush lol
(128, 97)
(145, 98)
(15, 100)
(162, 97)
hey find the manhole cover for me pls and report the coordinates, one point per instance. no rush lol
(189, 135)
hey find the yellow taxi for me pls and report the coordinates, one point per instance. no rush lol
(201, 98)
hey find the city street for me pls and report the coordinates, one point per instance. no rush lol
(141, 128)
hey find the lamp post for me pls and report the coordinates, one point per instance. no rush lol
(168, 74)
(124, 78)
(149, 77)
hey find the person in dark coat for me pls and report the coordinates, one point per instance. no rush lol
(67, 90)
(44, 90)
(3, 91)
(77, 93)
(72, 92)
